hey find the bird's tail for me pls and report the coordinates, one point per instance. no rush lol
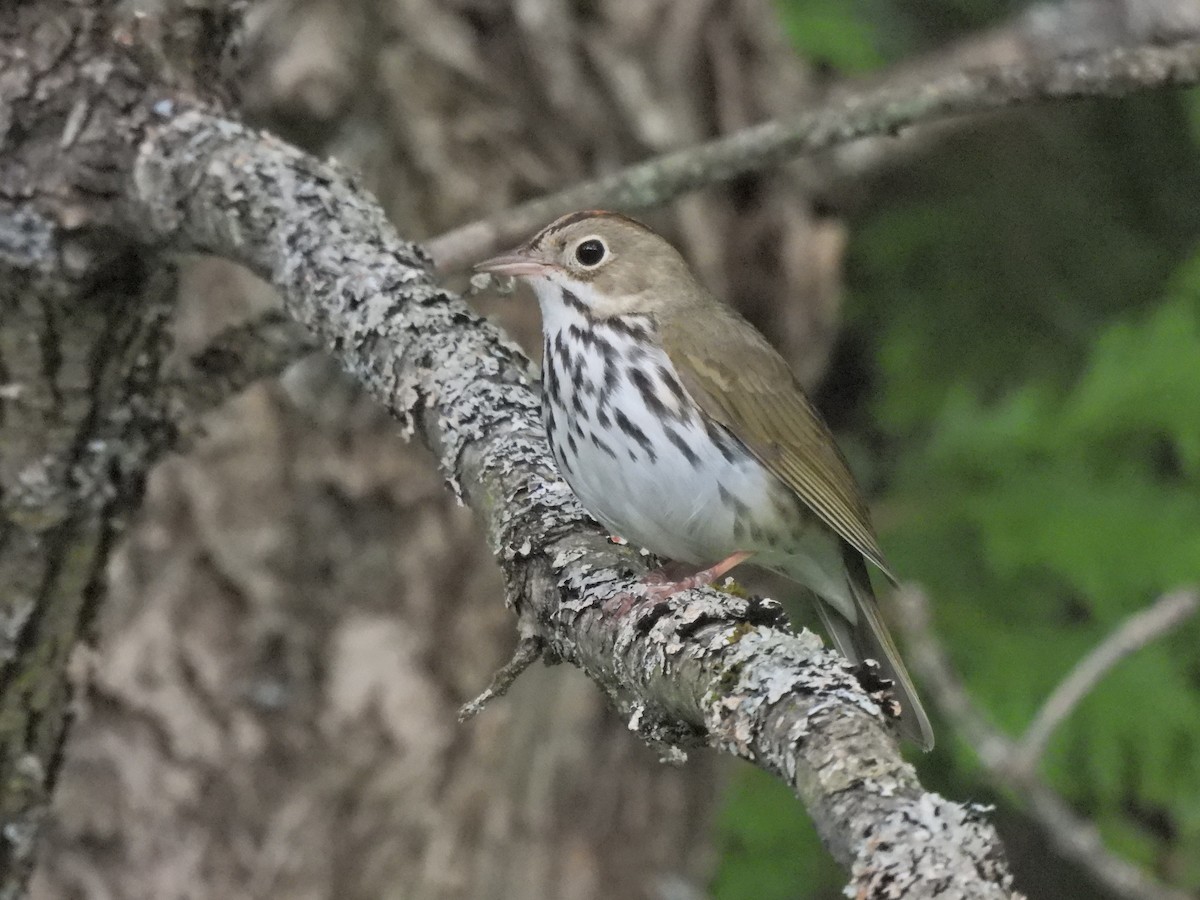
(868, 638)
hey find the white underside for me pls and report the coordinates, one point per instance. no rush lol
(675, 506)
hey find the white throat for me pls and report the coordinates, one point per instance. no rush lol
(560, 310)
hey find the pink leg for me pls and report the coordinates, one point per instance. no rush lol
(658, 588)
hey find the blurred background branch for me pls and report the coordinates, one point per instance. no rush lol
(1163, 616)
(997, 314)
(233, 360)
(846, 118)
(1012, 764)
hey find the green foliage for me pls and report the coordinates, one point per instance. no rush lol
(1026, 301)
(770, 849)
(996, 261)
(833, 33)
(1191, 100)
(1047, 481)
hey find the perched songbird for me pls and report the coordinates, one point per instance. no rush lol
(683, 431)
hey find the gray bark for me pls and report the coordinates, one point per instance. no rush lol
(235, 684)
(83, 338)
(701, 668)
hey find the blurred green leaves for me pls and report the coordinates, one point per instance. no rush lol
(1027, 298)
(1041, 520)
(835, 33)
(770, 850)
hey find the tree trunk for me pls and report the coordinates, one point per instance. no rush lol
(301, 608)
(292, 628)
(82, 341)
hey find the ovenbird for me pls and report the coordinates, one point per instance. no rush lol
(682, 430)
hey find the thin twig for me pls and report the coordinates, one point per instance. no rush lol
(702, 666)
(1075, 837)
(528, 651)
(886, 110)
(1164, 615)
(233, 360)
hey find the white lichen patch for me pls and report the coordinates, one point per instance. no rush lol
(929, 846)
(702, 666)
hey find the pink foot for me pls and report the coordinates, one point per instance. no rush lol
(657, 586)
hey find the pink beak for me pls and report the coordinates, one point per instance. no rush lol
(512, 264)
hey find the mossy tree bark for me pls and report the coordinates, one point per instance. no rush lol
(83, 337)
(337, 647)
(298, 608)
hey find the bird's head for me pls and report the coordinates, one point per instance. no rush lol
(611, 264)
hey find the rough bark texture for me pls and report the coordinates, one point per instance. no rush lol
(454, 108)
(701, 668)
(300, 610)
(84, 335)
(306, 494)
(75, 434)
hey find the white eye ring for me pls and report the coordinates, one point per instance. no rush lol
(590, 252)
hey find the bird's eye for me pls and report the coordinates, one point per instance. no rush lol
(591, 252)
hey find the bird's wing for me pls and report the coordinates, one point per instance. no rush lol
(743, 384)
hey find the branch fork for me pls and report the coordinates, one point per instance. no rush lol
(689, 671)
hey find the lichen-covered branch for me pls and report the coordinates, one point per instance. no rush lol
(845, 118)
(977, 76)
(84, 336)
(705, 667)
